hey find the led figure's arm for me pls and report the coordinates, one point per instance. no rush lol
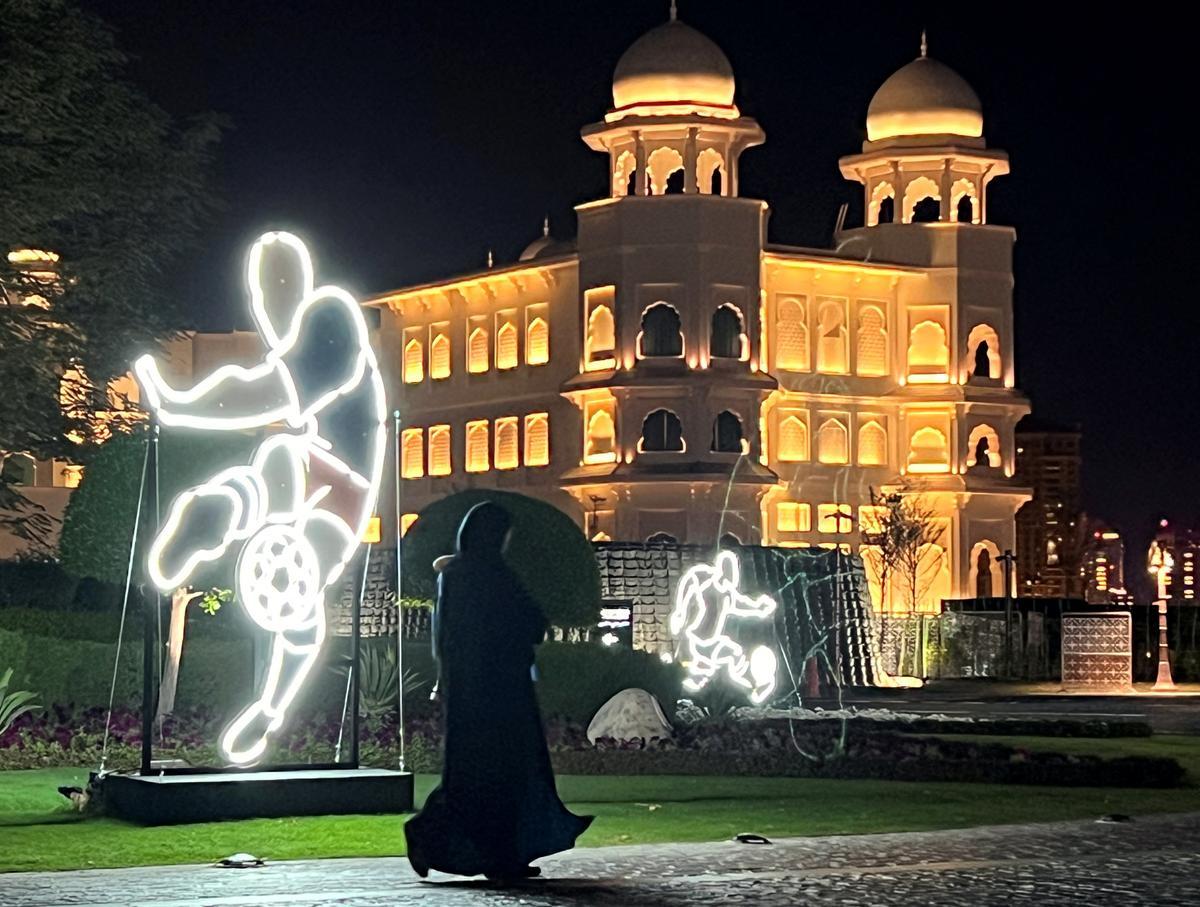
(230, 399)
(744, 606)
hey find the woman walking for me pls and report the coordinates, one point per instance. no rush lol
(496, 809)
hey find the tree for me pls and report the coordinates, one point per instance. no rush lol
(115, 191)
(98, 525)
(904, 534)
(548, 552)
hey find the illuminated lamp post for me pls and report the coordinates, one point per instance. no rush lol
(1160, 564)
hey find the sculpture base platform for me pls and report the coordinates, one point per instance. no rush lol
(178, 797)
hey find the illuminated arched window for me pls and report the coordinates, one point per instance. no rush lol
(927, 350)
(661, 432)
(727, 433)
(791, 336)
(601, 438)
(872, 444)
(872, 342)
(477, 454)
(537, 439)
(710, 172)
(601, 334)
(928, 451)
(725, 341)
(412, 453)
(661, 335)
(793, 439)
(506, 347)
(477, 351)
(983, 351)
(983, 447)
(987, 570)
(964, 201)
(624, 170)
(791, 516)
(414, 362)
(883, 192)
(922, 201)
(19, 469)
(833, 443)
(537, 342)
(662, 166)
(439, 356)
(507, 448)
(439, 450)
(831, 338)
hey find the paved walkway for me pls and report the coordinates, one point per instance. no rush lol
(1149, 861)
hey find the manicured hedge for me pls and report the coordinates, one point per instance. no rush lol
(575, 679)
(1012, 727)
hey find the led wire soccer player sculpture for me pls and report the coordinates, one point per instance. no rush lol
(296, 513)
(705, 600)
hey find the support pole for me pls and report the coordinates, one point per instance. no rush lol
(399, 596)
(355, 655)
(150, 612)
(1164, 681)
(1007, 558)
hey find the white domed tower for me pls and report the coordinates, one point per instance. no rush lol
(671, 385)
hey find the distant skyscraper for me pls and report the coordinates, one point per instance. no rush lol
(1104, 567)
(1184, 547)
(1049, 542)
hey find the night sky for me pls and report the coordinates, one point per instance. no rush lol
(406, 139)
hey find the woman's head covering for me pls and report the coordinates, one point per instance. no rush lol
(483, 530)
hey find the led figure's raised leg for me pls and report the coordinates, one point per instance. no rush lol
(763, 668)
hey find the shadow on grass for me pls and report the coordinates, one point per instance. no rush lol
(12, 820)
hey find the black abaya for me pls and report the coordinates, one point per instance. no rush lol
(496, 809)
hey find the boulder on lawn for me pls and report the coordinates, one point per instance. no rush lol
(632, 714)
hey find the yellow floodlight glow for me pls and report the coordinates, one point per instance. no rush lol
(300, 509)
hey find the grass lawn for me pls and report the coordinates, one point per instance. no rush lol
(38, 830)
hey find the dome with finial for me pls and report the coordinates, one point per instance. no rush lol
(673, 64)
(545, 246)
(924, 97)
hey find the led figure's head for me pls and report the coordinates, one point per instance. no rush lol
(294, 516)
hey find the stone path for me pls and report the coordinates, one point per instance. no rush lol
(1153, 860)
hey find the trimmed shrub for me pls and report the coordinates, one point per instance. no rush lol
(575, 679)
(36, 584)
(548, 552)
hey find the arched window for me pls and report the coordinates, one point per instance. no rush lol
(831, 334)
(872, 444)
(883, 192)
(791, 336)
(983, 447)
(727, 433)
(872, 342)
(414, 362)
(661, 165)
(928, 451)
(726, 339)
(537, 342)
(506, 443)
(728, 540)
(477, 351)
(624, 168)
(983, 349)
(439, 450)
(661, 538)
(675, 182)
(983, 574)
(887, 210)
(661, 432)
(987, 570)
(928, 353)
(964, 201)
(601, 438)
(601, 336)
(477, 454)
(923, 194)
(19, 469)
(660, 331)
(793, 439)
(710, 171)
(537, 439)
(439, 357)
(412, 453)
(833, 443)
(506, 346)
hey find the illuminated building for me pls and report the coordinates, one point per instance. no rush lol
(1184, 548)
(1104, 568)
(1049, 537)
(680, 378)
